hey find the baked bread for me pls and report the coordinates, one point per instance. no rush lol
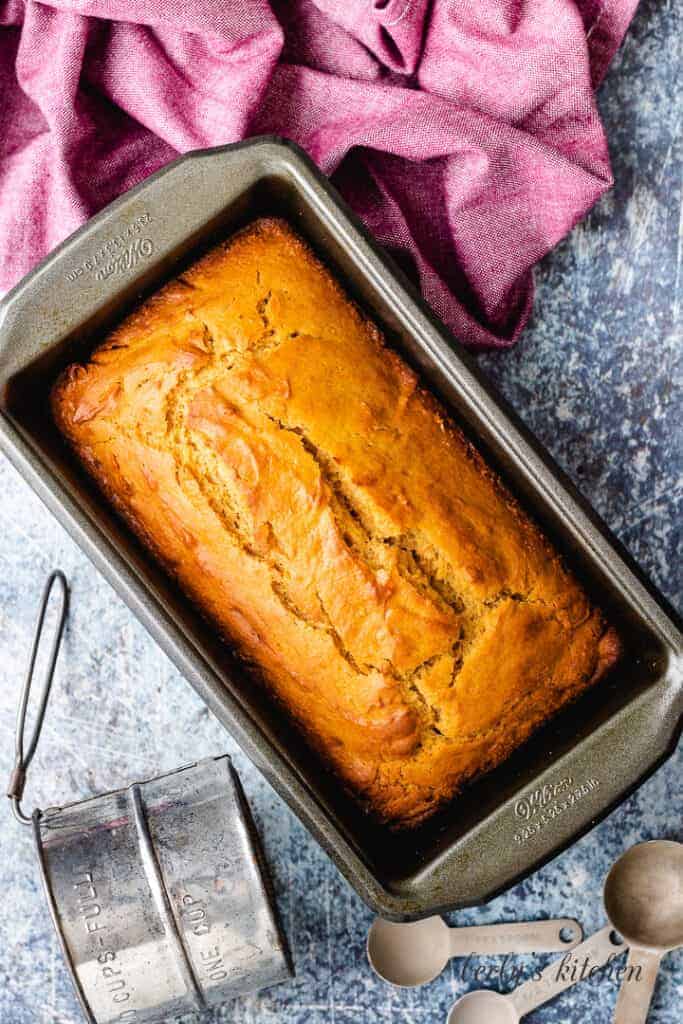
(319, 506)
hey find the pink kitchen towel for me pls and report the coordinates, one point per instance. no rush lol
(464, 134)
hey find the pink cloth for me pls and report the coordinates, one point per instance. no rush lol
(465, 134)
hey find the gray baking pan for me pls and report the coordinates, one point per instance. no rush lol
(573, 770)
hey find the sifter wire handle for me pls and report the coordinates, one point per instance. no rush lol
(24, 753)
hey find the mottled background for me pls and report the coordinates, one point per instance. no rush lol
(598, 377)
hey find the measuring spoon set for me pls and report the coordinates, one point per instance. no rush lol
(643, 899)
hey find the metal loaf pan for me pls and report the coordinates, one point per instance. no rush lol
(572, 771)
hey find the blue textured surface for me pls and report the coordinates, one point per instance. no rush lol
(598, 377)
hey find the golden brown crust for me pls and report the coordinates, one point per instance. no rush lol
(255, 432)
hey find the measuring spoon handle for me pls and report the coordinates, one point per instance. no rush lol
(520, 937)
(637, 987)
(573, 967)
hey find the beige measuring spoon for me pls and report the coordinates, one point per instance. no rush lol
(644, 901)
(487, 1007)
(415, 953)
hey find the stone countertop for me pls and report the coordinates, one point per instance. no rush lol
(598, 377)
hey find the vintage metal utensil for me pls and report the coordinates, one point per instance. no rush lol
(487, 1007)
(415, 953)
(158, 892)
(644, 901)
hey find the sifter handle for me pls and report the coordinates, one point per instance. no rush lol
(24, 754)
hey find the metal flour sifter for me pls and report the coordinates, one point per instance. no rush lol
(159, 892)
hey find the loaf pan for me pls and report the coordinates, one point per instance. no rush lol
(575, 769)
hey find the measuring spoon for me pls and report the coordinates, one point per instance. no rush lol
(644, 901)
(413, 954)
(487, 1007)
